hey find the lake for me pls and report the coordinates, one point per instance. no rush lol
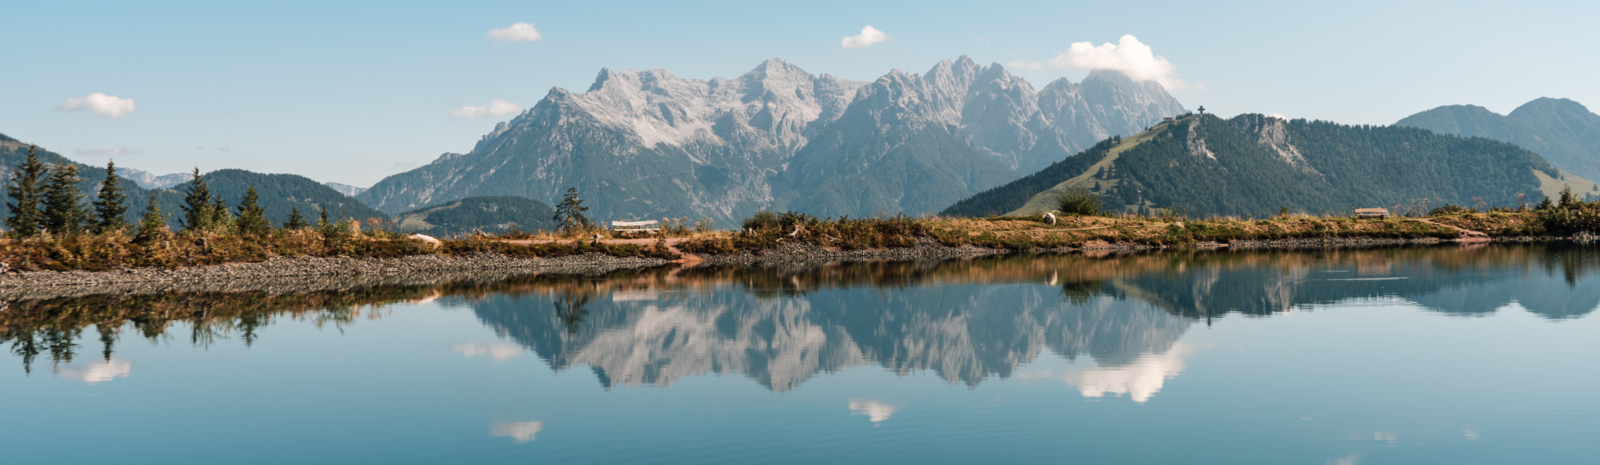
(1449, 354)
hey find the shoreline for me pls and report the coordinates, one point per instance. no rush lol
(279, 275)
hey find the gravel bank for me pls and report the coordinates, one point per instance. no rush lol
(926, 249)
(304, 274)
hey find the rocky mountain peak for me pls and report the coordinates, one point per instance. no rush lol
(649, 144)
(599, 81)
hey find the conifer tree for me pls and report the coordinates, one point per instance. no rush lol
(296, 220)
(64, 211)
(221, 217)
(152, 221)
(569, 213)
(111, 204)
(252, 219)
(197, 213)
(24, 192)
(322, 220)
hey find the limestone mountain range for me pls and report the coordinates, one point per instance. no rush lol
(649, 144)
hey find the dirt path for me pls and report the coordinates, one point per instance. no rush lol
(1467, 235)
(672, 244)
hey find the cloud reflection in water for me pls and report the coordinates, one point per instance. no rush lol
(1140, 380)
(500, 352)
(875, 411)
(95, 372)
(520, 432)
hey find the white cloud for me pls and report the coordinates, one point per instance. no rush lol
(97, 371)
(521, 432)
(109, 106)
(108, 151)
(1351, 459)
(1128, 55)
(869, 35)
(875, 411)
(1278, 116)
(1140, 380)
(495, 109)
(499, 352)
(1026, 65)
(520, 32)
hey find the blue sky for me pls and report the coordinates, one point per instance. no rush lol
(354, 91)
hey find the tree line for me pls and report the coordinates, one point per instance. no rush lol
(42, 200)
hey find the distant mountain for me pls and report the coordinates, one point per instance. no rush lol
(487, 214)
(1563, 131)
(281, 193)
(1254, 165)
(647, 144)
(345, 189)
(150, 181)
(278, 193)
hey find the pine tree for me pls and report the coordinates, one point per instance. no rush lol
(24, 191)
(252, 219)
(152, 222)
(64, 211)
(197, 213)
(221, 217)
(1567, 199)
(111, 204)
(322, 220)
(569, 213)
(296, 221)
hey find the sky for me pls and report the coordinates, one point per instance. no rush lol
(352, 91)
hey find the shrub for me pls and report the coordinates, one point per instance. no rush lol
(762, 220)
(1079, 201)
(1449, 209)
(1573, 217)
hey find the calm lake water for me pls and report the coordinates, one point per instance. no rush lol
(1485, 354)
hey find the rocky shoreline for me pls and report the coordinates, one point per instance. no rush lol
(306, 274)
(791, 254)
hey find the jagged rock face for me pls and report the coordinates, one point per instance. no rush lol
(647, 144)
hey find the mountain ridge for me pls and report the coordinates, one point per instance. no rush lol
(648, 144)
(1563, 131)
(1256, 165)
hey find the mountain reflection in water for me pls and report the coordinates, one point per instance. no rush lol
(964, 321)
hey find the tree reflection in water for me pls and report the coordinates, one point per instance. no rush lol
(964, 320)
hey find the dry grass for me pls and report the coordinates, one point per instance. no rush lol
(1025, 233)
(167, 250)
(103, 252)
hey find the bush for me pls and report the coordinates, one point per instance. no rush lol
(1449, 209)
(762, 220)
(1572, 218)
(1079, 201)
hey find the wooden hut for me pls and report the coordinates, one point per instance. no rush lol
(1372, 213)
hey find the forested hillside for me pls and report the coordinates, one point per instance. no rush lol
(1563, 131)
(487, 214)
(1254, 165)
(279, 193)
